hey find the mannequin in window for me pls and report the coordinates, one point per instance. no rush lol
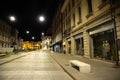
(106, 47)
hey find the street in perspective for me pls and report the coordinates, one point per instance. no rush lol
(60, 40)
(47, 65)
(35, 65)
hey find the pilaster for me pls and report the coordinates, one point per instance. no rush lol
(86, 44)
(72, 45)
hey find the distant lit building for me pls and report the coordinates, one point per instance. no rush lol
(87, 24)
(31, 45)
(46, 41)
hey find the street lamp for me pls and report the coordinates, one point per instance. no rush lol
(12, 18)
(42, 34)
(33, 38)
(27, 32)
(41, 18)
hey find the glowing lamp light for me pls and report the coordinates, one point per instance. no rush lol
(41, 18)
(33, 38)
(42, 34)
(12, 18)
(27, 32)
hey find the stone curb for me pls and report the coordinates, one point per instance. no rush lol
(7, 61)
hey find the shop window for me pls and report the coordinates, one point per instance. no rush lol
(69, 47)
(79, 46)
(104, 46)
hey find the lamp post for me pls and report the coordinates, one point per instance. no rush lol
(42, 19)
(112, 12)
(42, 36)
(13, 19)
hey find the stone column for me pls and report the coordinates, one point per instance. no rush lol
(66, 46)
(86, 44)
(73, 46)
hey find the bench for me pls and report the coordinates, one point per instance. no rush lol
(82, 67)
(1, 55)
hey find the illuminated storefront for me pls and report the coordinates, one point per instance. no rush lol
(102, 41)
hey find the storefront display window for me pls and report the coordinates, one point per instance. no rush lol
(103, 43)
(69, 47)
(79, 46)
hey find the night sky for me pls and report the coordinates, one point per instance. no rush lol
(26, 13)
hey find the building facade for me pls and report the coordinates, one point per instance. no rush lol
(8, 37)
(57, 32)
(88, 28)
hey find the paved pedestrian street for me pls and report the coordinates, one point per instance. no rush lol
(37, 65)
